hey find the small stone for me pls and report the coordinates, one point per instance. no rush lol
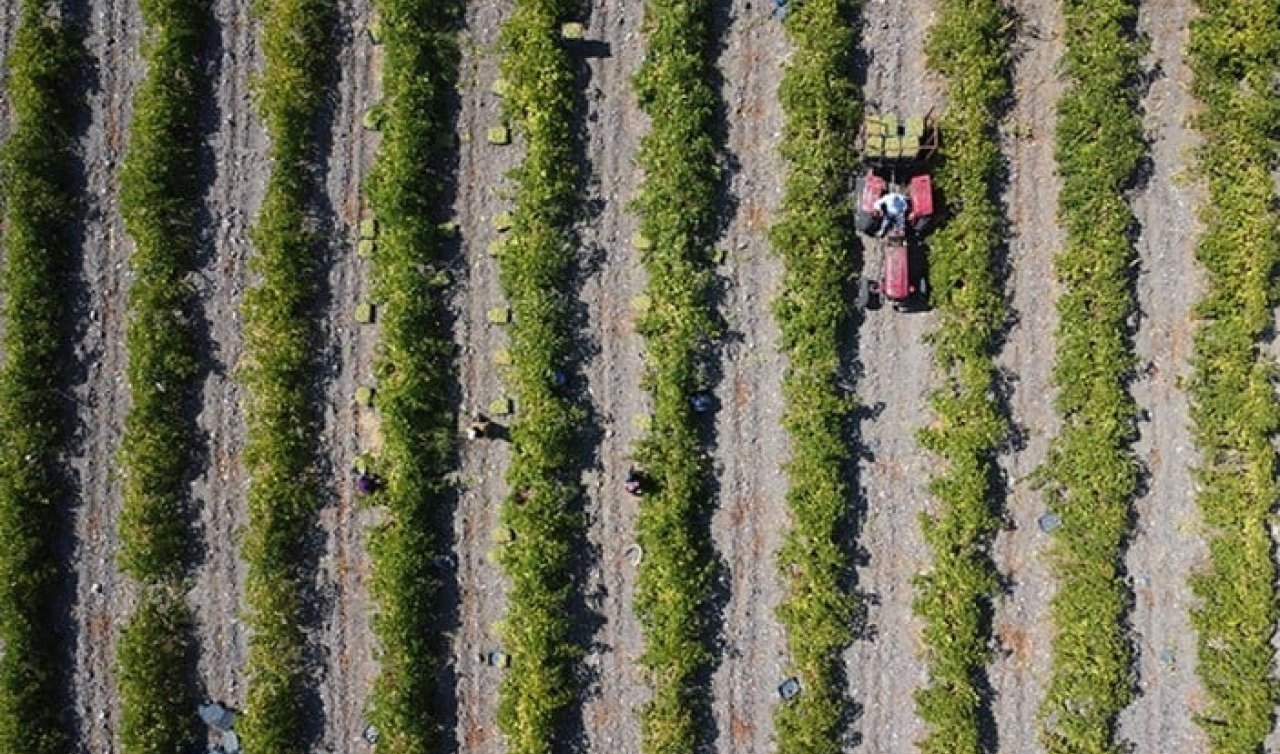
(231, 742)
(217, 716)
(1048, 522)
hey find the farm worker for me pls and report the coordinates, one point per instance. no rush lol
(893, 211)
(366, 483)
(634, 483)
(779, 10)
(479, 427)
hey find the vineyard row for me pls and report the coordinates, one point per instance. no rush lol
(536, 269)
(281, 338)
(37, 180)
(160, 201)
(968, 45)
(1091, 475)
(814, 237)
(677, 208)
(414, 368)
(1235, 56)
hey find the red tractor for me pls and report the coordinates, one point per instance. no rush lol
(895, 206)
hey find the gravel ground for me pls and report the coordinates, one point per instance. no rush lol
(1166, 548)
(346, 641)
(1273, 346)
(613, 369)
(481, 171)
(8, 22)
(751, 447)
(897, 365)
(101, 596)
(1273, 741)
(8, 25)
(238, 145)
(1022, 624)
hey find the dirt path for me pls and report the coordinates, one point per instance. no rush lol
(481, 171)
(615, 126)
(895, 386)
(345, 637)
(8, 25)
(1022, 625)
(239, 147)
(1272, 742)
(103, 597)
(751, 447)
(1167, 547)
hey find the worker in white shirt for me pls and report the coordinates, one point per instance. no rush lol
(893, 213)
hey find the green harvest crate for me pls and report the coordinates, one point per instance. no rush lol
(364, 312)
(499, 136)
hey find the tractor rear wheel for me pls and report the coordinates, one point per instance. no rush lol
(864, 221)
(864, 293)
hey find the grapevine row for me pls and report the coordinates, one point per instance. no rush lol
(280, 343)
(37, 167)
(536, 271)
(414, 364)
(677, 209)
(1234, 56)
(160, 201)
(968, 46)
(814, 236)
(1091, 475)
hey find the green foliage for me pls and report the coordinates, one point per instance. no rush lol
(969, 46)
(677, 209)
(414, 397)
(814, 236)
(160, 199)
(280, 346)
(37, 182)
(1091, 473)
(155, 660)
(1235, 54)
(536, 268)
